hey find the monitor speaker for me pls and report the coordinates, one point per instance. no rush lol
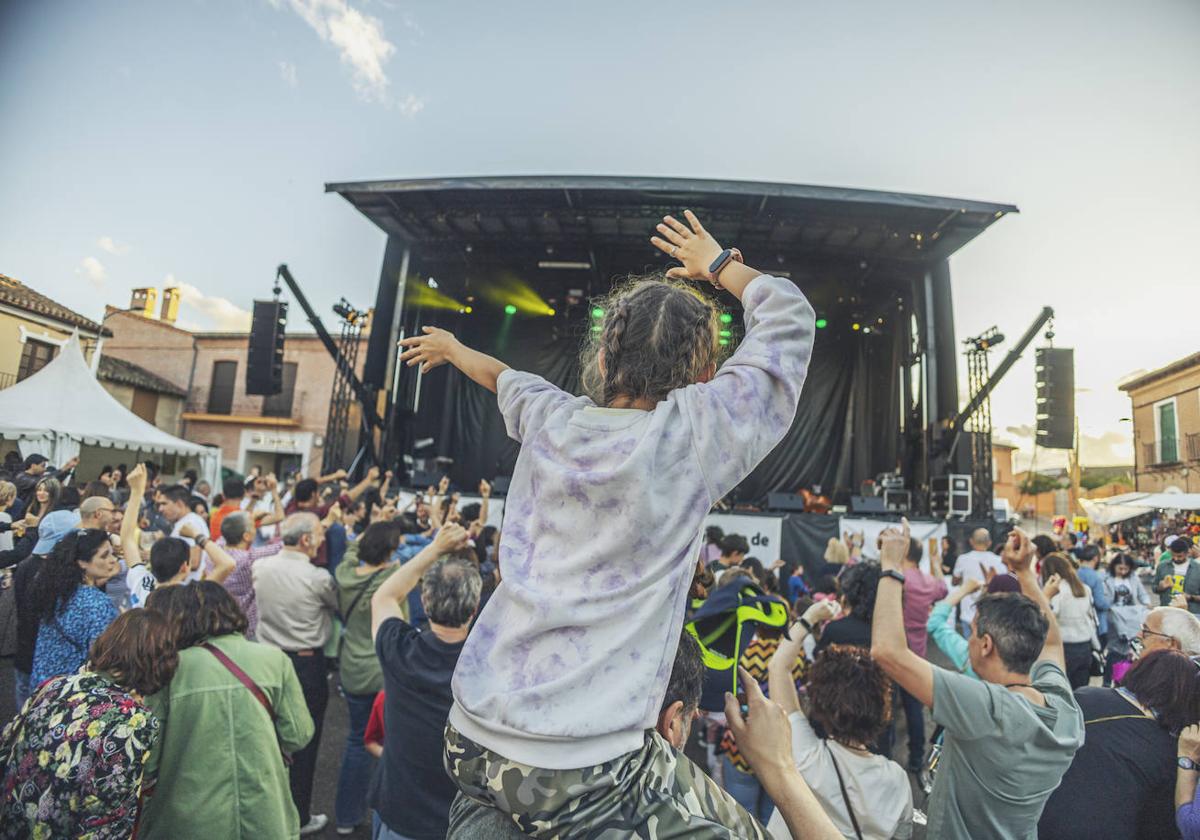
(785, 501)
(264, 361)
(1055, 374)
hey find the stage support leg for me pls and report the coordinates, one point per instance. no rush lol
(379, 366)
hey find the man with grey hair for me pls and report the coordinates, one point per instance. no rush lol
(238, 531)
(411, 792)
(296, 604)
(1169, 628)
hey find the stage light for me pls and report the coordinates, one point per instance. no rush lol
(726, 318)
(723, 342)
(467, 310)
(726, 333)
(423, 296)
(553, 312)
(822, 323)
(856, 327)
(509, 290)
(510, 310)
(597, 313)
(596, 328)
(866, 330)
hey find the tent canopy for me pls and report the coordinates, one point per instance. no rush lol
(1129, 505)
(64, 406)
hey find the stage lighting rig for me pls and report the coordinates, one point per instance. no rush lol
(346, 312)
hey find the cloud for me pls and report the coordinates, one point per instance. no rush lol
(359, 38)
(410, 105)
(287, 72)
(94, 271)
(112, 246)
(218, 313)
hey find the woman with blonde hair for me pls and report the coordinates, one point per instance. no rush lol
(1071, 600)
(8, 494)
(836, 552)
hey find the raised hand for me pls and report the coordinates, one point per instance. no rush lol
(137, 481)
(485, 489)
(434, 348)
(450, 537)
(1017, 553)
(1053, 584)
(822, 611)
(443, 485)
(893, 546)
(694, 246)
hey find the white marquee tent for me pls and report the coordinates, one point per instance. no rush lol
(1128, 505)
(63, 407)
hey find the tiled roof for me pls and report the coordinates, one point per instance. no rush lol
(127, 373)
(16, 294)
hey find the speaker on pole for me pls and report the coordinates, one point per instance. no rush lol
(1055, 370)
(264, 362)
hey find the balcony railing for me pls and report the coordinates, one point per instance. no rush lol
(7, 380)
(1193, 446)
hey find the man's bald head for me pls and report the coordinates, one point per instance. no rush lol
(96, 512)
(981, 540)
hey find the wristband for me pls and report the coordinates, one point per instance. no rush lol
(893, 574)
(201, 541)
(804, 623)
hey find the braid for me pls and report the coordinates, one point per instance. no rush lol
(614, 331)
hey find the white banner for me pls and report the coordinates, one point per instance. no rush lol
(764, 533)
(924, 532)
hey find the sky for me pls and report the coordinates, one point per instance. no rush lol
(187, 143)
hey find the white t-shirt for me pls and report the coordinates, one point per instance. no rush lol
(6, 539)
(880, 794)
(970, 566)
(140, 583)
(1074, 614)
(200, 527)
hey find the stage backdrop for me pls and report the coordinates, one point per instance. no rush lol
(846, 427)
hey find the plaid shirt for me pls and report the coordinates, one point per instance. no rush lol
(241, 582)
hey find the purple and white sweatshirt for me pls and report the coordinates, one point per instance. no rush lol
(568, 663)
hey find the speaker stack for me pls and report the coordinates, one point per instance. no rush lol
(1055, 371)
(264, 362)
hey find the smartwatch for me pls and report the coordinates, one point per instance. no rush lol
(894, 575)
(723, 259)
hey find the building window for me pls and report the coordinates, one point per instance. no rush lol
(35, 355)
(1167, 432)
(145, 404)
(220, 392)
(280, 405)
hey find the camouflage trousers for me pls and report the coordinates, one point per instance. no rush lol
(653, 793)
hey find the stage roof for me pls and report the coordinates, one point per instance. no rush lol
(446, 217)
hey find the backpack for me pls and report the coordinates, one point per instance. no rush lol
(724, 624)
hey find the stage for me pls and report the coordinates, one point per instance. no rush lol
(874, 265)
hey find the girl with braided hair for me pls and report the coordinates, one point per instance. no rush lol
(560, 680)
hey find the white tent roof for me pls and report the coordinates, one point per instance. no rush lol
(1129, 505)
(64, 399)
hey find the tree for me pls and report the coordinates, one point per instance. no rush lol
(1036, 484)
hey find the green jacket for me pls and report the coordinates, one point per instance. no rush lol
(1191, 582)
(219, 771)
(358, 665)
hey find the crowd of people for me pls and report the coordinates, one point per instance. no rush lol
(173, 649)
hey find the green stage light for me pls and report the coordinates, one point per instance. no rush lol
(596, 328)
(726, 333)
(723, 341)
(597, 313)
(510, 310)
(726, 318)
(822, 323)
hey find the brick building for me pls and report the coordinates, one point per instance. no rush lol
(278, 433)
(1166, 426)
(33, 327)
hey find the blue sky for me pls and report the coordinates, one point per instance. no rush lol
(187, 142)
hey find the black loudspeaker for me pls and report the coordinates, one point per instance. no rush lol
(264, 361)
(785, 501)
(867, 504)
(1055, 372)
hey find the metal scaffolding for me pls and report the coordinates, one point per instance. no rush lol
(979, 423)
(342, 399)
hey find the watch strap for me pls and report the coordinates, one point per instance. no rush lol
(1186, 763)
(893, 574)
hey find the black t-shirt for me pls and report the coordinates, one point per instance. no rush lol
(1121, 784)
(27, 624)
(850, 630)
(411, 791)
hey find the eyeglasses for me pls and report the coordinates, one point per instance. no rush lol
(1146, 631)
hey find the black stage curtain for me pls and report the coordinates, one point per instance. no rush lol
(846, 428)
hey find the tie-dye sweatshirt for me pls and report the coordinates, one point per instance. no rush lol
(568, 663)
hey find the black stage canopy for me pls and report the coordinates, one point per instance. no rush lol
(874, 264)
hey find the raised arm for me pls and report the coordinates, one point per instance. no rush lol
(357, 490)
(889, 645)
(129, 523)
(764, 738)
(437, 347)
(485, 490)
(276, 514)
(779, 671)
(1018, 556)
(222, 563)
(385, 603)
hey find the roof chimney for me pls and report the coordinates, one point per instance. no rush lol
(170, 305)
(143, 302)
